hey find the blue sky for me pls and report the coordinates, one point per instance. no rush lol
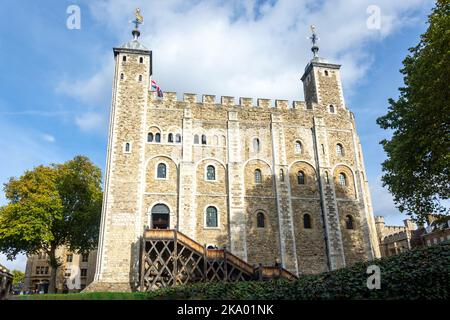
(56, 83)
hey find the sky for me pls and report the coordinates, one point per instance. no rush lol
(56, 78)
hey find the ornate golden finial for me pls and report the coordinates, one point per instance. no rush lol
(139, 20)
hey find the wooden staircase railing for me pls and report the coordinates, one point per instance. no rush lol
(169, 257)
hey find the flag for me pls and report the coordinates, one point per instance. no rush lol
(157, 88)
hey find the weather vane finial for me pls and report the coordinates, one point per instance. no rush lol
(138, 21)
(314, 39)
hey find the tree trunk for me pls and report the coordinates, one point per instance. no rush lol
(54, 264)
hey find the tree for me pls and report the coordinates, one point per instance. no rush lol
(417, 170)
(18, 277)
(52, 206)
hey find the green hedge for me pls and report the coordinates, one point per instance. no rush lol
(416, 274)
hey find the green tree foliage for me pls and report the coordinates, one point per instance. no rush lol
(417, 170)
(18, 277)
(51, 206)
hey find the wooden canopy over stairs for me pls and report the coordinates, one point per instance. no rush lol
(169, 258)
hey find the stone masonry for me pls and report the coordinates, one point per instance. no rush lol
(258, 152)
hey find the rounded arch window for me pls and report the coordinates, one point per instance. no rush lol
(307, 221)
(158, 137)
(150, 137)
(331, 108)
(260, 220)
(210, 173)
(170, 138)
(339, 150)
(301, 177)
(349, 223)
(298, 147)
(160, 216)
(204, 139)
(281, 175)
(342, 179)
(127, 147)
(256, 145)
(258, 176)
(196, 139)
(161, 172)
(178, 138)
(211, 217)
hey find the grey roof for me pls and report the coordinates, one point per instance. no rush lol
(134, 45)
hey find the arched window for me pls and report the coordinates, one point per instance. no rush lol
(178, 138)
(158, 137)
(140, 78)
(256, 145)
(210, 173)
(141, 60)
(307, 221)
(339, 150)
(342, 179)
(298, 147)
(127, 147)
(162, 171)
(124, 59)
(170, 138)
(160, 216)
(349, 222)
(301, 177)
(150, 137)
(331, 108)
(211, 217)
(281, 175)
(203, 139)
(260, 220)
(258, 176)
(196, 140)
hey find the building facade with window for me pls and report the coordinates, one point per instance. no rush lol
(75, 273)
(270, 181)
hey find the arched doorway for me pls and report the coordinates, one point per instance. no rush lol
(160, 216)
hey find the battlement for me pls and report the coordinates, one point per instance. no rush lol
(227, 101)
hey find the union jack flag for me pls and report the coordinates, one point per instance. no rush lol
(157, 88)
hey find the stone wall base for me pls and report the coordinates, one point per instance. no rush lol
(108, 287)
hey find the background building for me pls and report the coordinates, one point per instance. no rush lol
(76, 272)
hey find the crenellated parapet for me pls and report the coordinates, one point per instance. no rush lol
(229, 102)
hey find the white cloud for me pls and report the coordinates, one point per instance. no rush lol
(48, 137)
(383, 204)
(222, 48)
(19, 263)
(91, 121)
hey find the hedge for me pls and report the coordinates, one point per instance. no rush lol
(416, 274)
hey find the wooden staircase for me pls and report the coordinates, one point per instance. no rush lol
(169, 258)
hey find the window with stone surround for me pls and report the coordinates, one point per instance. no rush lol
(83, 272)
(127, 147)
(256, 145)
(178, 138)
(161, 172)
(170, 138)
(69, 258)
(122, 76)
(141, 60)
(342, 179)
(301, 177)
(204, 139)
(349, 222)
(211, 217)
(339, 150)
(307, 221)
(124, 58)
(85, 257)
(258, 176)
(210, 173)
(281, 175)
(150, 137)
(298, 147)
(332, 109)
(158, 137)
(196, 139)
(260, 220)
(326, 73)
